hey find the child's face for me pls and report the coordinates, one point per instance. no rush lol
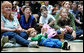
(46, 3)
(74, 6)
(64, 14)
(33, 33)
(67, 5)
(27, 11)
(44, 13)
(80, 8)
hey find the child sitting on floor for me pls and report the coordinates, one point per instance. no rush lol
(53, 33)
(44, 41)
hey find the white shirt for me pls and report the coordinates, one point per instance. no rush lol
(44, 20)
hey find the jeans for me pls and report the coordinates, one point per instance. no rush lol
(68, 36)
(79, 32)
(58, 31)
(20, 37)
(52, 43)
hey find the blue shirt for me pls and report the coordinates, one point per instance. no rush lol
(24, 24)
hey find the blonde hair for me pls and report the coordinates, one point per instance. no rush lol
(62, 11)
(29, 30)
(65, 2)
(6, 3)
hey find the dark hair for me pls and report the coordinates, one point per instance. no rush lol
(25, 8)
(43, 8)
(80, 3)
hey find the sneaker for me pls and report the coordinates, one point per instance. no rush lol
(33, 45)
(65, 46)
(81, 35)
(11, 45)
(4, 40)
(8, 45)
(13, 41)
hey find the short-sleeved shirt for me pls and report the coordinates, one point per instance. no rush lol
(44, 20)
(10, 24)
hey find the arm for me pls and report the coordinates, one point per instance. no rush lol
(78, 21)
(40, 21)
(36, 38)
(34, 23)
(52, 22)
(72, 21)
(6, 29)
(74, 34)
(46, 35)
(19, 28)
(22, 22)
(40, 24)
(56, 20)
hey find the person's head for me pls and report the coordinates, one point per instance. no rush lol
(26, 10)
(74, 6)
(32, 32)
(27, 3)
(6, 7)
(44, 11)
(63, 13)
(46, 3)
(6, 10)
(80, 7)
(66, 4)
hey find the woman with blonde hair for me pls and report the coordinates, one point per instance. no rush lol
(10, 26)
(64, 21)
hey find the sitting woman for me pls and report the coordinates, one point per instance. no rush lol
(44, 41)
(64, 22)
(27, 20)
(10, 26)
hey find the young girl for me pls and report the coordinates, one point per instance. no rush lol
(64, 22)
(44, 41)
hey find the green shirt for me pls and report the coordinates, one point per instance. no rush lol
(71, 19)
(39, 37)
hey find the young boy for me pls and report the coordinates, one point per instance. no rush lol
(44, 41)
(46, 18)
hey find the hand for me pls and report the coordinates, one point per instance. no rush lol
(14, 30)
(74, 34)
(43, 30)
(19, 29)
(80, 22)
(67, 27)
(63, 31)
